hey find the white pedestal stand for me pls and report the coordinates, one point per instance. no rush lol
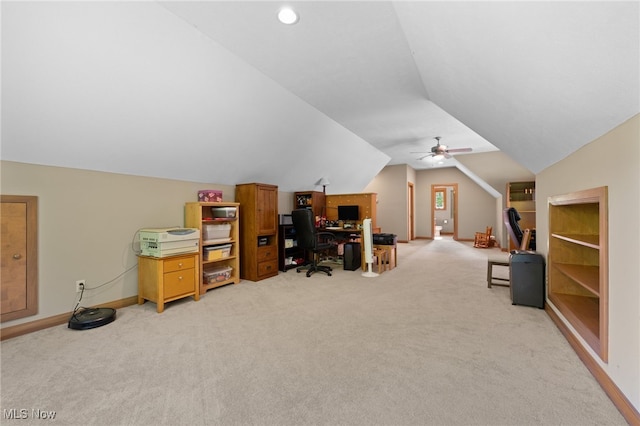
(367, 235)
(369, 273)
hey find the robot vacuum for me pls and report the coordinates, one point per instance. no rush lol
(87, 318)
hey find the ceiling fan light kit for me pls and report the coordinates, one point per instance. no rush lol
(440, 152)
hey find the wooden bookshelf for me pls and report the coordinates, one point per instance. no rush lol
(199, 215)
(578, 264)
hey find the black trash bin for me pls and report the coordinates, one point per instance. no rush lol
(351, 258)
(526, 274)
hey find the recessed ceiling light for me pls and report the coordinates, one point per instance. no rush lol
(288, 16)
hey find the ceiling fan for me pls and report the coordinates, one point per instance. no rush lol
(441, 151)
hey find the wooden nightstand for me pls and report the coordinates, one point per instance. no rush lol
(161, 280)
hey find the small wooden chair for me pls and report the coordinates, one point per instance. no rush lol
(483, 240)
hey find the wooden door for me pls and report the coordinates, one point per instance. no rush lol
(18, 256)
(267, 218)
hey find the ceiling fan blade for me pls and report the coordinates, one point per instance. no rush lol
(460, 150)
(425, 156)
(419, 152)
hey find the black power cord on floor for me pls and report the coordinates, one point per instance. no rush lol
(85, 318)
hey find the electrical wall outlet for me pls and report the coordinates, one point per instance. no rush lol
(80, 285)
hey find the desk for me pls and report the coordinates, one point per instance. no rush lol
(343, 235)
(337, 230)
(341, 232)
(355, 234)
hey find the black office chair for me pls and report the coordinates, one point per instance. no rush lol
(511, 217)
(309, 238)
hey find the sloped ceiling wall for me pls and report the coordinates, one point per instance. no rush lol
(537, 79)
(129, 88)
(150, 88)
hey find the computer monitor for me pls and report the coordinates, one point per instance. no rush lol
(348, 213)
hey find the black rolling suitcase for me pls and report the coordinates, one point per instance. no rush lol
(526, 274)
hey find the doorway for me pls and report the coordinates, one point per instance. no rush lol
(444, 209)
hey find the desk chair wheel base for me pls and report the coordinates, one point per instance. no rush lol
(315, 268)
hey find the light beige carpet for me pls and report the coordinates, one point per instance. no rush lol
(425, 344)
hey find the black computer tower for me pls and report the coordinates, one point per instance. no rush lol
(352, 257)
(526, 275)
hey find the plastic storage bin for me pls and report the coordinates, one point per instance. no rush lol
(217, 252)
(216, 231)
(223, 212)
(214, 275)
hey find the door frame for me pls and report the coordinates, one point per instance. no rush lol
(454, 207)
(411, 226)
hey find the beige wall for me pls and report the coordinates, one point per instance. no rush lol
(285, 202)
(390, 186)
(476, 207)
(497, 169)
(87, 222)
(612, 160)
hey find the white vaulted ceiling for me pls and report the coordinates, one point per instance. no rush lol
(169, 89)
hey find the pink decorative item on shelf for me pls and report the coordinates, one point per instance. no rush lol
(209, 195)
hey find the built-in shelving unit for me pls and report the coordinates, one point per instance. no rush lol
(578, 264)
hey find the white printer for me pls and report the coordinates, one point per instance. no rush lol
(162, 242)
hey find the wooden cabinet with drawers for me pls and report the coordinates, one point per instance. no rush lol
(258, 230)
(161, 280)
